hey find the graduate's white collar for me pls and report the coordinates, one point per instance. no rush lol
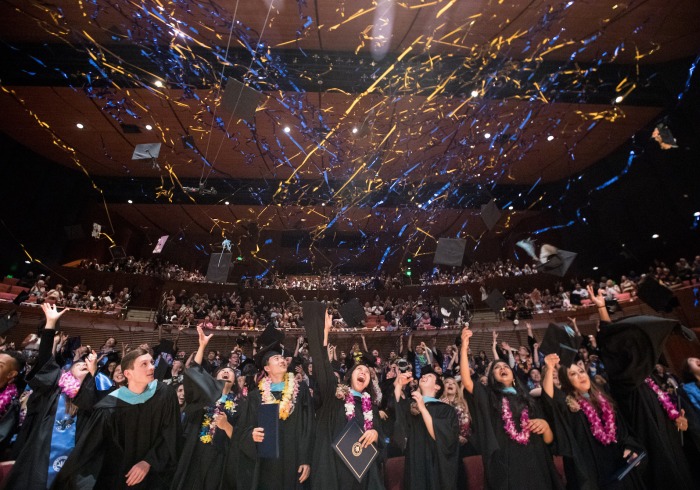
(126, 395)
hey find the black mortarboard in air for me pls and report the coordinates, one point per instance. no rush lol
(563, 341)
(165, 346)
(629, 348)
(21, 298)
(270, 344)
(450, 306)
(352, 312)
(490, 214)
(240, 100)
(450, 251)
(557, 264)
(656, 295)
(496, 300)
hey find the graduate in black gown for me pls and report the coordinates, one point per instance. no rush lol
(11, 364)
(629, 349)
(431, 431)
(508, 429)
(57, 412)
(296, 428)
(212, 409)
(329, 471)
(591, 434)
(132, 436)
(690, 400)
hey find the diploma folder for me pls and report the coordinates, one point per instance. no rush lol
(269, 419)
(356, 458)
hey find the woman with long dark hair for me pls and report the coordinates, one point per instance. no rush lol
(508, 429)
(591, 434)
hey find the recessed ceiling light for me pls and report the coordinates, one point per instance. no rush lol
(655, 236)
(226, 203)
(697, 214)
(302, 219)
(323, 204)
(149, 127)
(595, 268)
(487, 135)
(79, 126)
(619, 99)
(550, 137)
(158, 83)
(510, 208)
(130, 201)
(287, 129)
(354, 130)
(27, 261)
(475, 93)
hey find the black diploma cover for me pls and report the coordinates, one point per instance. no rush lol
(631, 464)
(356, 458)
(269, 419)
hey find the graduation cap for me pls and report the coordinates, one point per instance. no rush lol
(365, 359)
(240, 100)
(490, 214)
(248, 367)
(21, 297)
(663, 136)
(563, 341)
(271, 345)
(352, 312)
(496, 300)
(438, 378)
(242, 339)
(8, 320)
(631, 347)
(450, 251)
(146, 151)
(557, 264)
(656, 295)
(165, 346)
(450, 306)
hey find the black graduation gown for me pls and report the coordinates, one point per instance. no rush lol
(295, 444)
(204, 466)
(691, 444)
(508, 464)
(430, 463)
(31, 467)
(328, 470)
(589, 465)
(9, 424)
(119, 435)
(629, 349)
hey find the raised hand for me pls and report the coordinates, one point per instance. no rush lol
(596, 298)
(467, 335)
(91, 360)
(52, 315)
(203, 339)
(551, 361)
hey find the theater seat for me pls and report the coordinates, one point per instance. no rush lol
(559, 465)
(474, 467)
(623, 297)
(586, 302)
(393, 473)
(5, 468)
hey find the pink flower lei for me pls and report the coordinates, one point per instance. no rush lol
(522, 437)
(6, 397)
(606, 431)
(69, 385)
(664, 399)
(350, 406)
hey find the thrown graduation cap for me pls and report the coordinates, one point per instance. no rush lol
(663, 136)
(450, 306)
(563, 341)
(352, 312)
(146, 151)
(450, 251)
(270, 342)
(496, 300)
(490, 214)
(364, 359)
(270, 335)
(656, 295)
(240, 100)
(558, 264)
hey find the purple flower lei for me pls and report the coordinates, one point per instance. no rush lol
(6, 397)
(69, 385)
(522, 437)
(606, 434)
(366, 409)
(664, 399)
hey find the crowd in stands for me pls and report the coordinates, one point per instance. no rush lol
(153, 267)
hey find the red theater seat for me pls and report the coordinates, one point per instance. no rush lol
(474, 467)
(393, 473)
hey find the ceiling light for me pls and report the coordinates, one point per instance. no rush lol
(475, 93)
(354, 130)
(595, 268)
(130, 201)
(510, 208)
(323, 204)
(27, 261)
(550, 137)
(655, 236)
(619, 99)
(149, 127)
(287, 129)
(79, 126)
(226, 203)
(158, 83)
(697, 214)
(487, 135)
(302, 219)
